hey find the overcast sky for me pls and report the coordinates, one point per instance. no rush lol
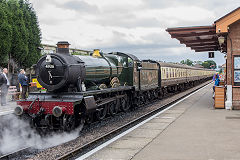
(131, 26)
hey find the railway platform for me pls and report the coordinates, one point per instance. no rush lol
(191, 129)
(8, 109)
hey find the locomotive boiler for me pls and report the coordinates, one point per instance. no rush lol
(67, 73)
(83, 89)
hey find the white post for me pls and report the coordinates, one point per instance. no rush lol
(228, 103)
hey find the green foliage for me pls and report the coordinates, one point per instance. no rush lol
(220, 71)
(210, 64)
(34, 33)
(19, 32)
(198, 62)
(5, 32)
(187, 62)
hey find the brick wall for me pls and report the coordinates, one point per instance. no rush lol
(233, 49)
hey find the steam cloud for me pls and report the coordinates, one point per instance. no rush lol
(16, 134)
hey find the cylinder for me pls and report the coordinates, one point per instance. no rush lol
(18, 110)
(57, 111)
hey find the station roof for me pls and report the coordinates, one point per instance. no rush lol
(198, 38)
(205, 38)
(224, 22)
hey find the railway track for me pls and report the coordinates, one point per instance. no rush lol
(16, 154)
(91, 147)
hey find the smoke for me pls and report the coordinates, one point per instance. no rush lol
(16, 134)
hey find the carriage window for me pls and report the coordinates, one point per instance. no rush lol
(130, 62)
(122, 61)
(167, 72)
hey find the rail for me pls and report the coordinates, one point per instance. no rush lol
(15, 153)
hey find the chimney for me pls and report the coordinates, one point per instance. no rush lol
(63, 47)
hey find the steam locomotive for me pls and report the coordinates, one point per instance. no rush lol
(81, 89)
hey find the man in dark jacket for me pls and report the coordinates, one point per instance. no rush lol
(23, 80)
(4, 84)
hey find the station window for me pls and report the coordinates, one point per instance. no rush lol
(236, 71)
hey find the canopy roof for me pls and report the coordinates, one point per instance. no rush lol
(205, 38)
(198, 38)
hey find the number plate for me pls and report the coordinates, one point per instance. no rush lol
(49, 66)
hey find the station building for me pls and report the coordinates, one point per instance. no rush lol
(48, 49)
(224, 36)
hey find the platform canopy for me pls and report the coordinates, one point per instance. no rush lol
(198, 38)
(207, 38)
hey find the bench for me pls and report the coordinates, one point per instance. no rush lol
(12, 90)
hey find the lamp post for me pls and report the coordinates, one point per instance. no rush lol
(221, 40)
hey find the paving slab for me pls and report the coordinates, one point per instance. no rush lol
(9, 108)
(174, 115)
(131, 143)
(154, 126)
(174, 111)
(162, 120)
(143, 133)
(114, 154)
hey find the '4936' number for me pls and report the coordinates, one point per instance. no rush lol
(49, 66)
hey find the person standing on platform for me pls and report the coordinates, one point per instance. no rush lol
(23, 80)
(214, 77)
(4, 84)
(217, 80)
(216, 83)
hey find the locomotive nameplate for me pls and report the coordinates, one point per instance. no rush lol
(49, 66)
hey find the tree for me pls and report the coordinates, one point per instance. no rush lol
(198, 62)
(34, 33)
(210, 64)
(19, 32)
(187, 62)
(5, 32)
(19, 48)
